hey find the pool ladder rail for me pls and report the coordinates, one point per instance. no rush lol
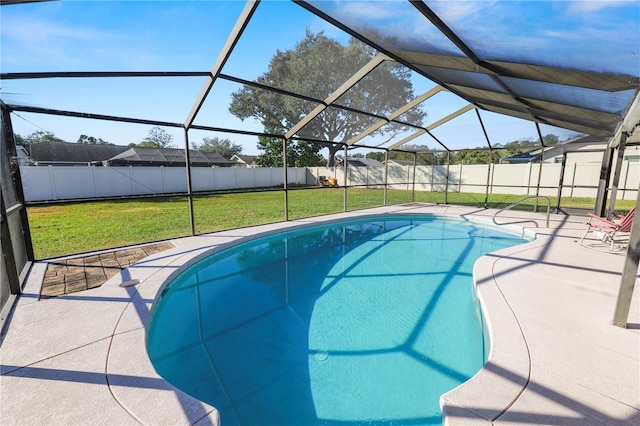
(510, 206)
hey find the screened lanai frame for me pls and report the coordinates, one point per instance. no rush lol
(541, 92)
(486, 85)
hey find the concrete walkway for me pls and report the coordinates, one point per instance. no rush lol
(555, 357)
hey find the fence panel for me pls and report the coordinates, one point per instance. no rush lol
(66, 182)
(146, 180)
(510, 179)
(585, 175)
(37, 184)
(473, 177)
(203, 178)
(53, 183)
(174, 179)
(630, 181)
(398, 175)
(72, 182)
(111, 181)
(549, 179)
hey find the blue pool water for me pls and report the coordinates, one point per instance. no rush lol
(358, 322)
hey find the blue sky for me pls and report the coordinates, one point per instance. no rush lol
(187, 36)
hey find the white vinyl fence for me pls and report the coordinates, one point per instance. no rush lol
(69, 182)
(66, 182)
(580, 179)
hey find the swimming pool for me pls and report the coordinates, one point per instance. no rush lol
(359, 321)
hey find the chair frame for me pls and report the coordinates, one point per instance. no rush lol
(610, 229)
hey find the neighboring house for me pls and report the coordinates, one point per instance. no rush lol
(74, 154)
(401, 162)
(71, 154)
(582, 149)
(167, 157)
(244, 160)
(360, 162)
(23, 156)
(523, 157)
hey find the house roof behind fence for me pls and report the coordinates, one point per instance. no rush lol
(72, 152)
(166, 157)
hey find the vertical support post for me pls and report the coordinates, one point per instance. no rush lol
(413, 186)
(346, 170)
(626, 180)
(629, 274)
(535, 206)
(187, 160)
(446, 184)
(433, 168)
(486, 191)
(386, 176)
(573, 178)
(7, 250)
(7, 129)
(285, 187)
(561, 181)
(486, 136)
(605, 174)
(617, 170)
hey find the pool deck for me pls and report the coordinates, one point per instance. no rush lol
(556, 359)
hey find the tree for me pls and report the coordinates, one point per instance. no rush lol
(156, 138)
(224, 147)
(376, 155)
(36, 137)
(20, 140)
(476, 156)
(90, 140)
(481, 154)
(425, 156)
(316, 67)
(300, 154)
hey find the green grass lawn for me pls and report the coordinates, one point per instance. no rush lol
(71, 228)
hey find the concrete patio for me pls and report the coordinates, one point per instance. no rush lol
(80, 358)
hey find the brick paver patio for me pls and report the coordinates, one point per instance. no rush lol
(83, 273)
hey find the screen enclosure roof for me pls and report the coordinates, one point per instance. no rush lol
(571, 65)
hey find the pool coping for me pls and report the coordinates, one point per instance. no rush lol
(129, 391)
(508, 351)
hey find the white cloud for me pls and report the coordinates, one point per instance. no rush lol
(363, 10)
(36, 30)
(455, 12)
(590, 6)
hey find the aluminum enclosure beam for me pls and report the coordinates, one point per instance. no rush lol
(187, 162)
(453, 37)
(38, 110)
(346, 174)
(232, 40)
(433, 126)
(396, 114)
(486, 136)
(8, 134)
(535, 207)
(629, 274)
(605, 173)
(100, 74)
(359, 75)
(622, 144)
